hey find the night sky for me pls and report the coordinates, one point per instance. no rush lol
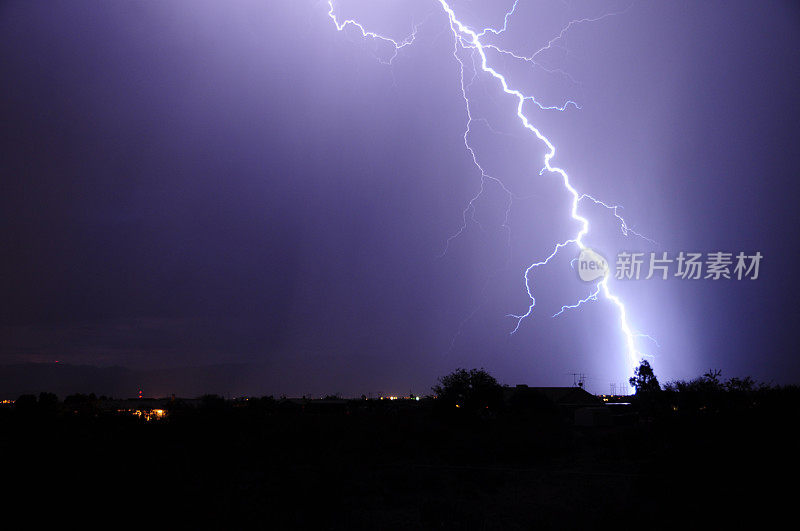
(191, 183)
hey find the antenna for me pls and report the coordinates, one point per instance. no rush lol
(578, 379)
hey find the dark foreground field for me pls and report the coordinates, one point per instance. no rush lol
(274, 464)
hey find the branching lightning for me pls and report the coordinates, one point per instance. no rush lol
(476, 44)
(395, 44)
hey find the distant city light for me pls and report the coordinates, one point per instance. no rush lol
(146, 414)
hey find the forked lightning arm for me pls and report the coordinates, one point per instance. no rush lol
(467, 38)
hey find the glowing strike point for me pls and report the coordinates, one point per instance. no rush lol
(466, 38)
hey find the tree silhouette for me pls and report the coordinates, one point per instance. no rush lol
(745, 384)
(645, 380)
(25, 403)
(469, 389)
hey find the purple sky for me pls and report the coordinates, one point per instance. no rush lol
(201, 182)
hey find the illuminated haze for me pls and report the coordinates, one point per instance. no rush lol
(192, 183)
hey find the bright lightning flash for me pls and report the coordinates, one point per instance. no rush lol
(474, 41)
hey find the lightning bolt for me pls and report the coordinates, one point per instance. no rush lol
(475, 43)
(395, 44)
